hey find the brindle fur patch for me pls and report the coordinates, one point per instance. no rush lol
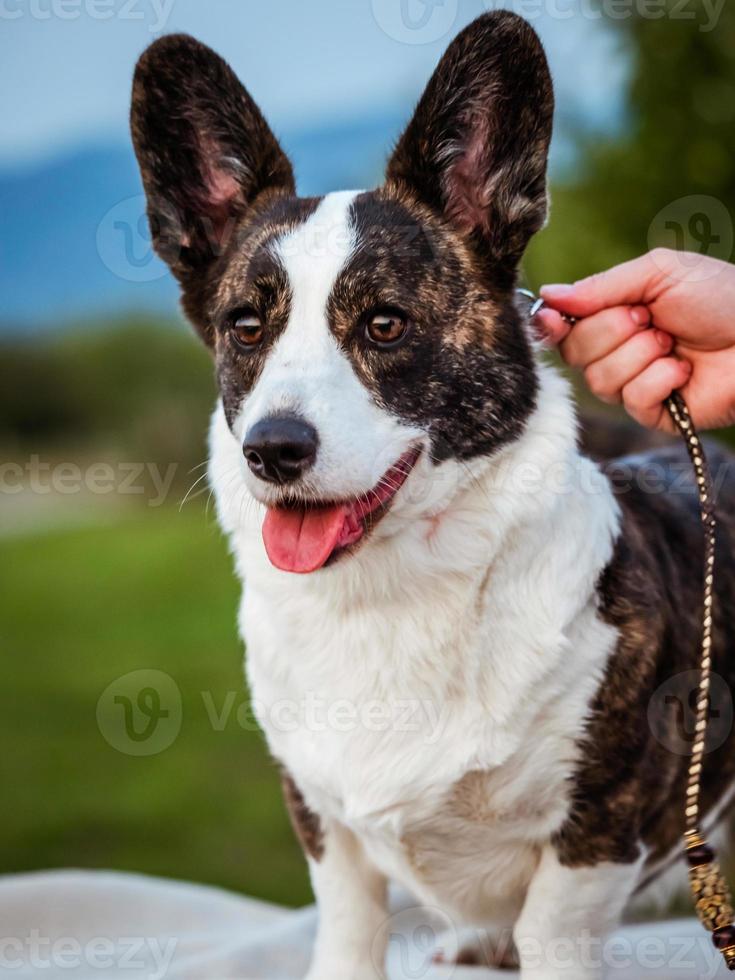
(206, 155)
(466, 372)
(254, 278)
(630, 785)
(306, 824)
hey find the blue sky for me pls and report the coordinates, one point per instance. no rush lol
(65, 65)
(336, 79)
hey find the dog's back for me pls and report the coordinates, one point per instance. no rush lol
(642, 727)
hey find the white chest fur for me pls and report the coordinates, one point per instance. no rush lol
(430, 691)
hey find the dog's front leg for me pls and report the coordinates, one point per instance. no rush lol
(351, 895)
(567, 916)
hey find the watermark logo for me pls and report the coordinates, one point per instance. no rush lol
(415, 21)
(704, 13)
(156, 12)
(124, 242)
(415, 940)
(140, 713)
(146, 957)
(39, 476)
(696, 227)
(672, 713)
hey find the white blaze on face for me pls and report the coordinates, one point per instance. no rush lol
(307, 373)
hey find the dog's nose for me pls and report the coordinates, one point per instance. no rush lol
(281, 448)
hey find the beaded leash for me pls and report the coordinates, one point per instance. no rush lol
(709, 888)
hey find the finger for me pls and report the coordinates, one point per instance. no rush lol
(551, 327)
(607, 378)
(599, 335)
(632, 283)
(644, 396)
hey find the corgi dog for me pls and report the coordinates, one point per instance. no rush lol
(466, 640)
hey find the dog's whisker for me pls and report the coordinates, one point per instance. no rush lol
(190, 490)
(209, 501)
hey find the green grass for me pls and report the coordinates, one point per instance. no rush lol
(80, 608)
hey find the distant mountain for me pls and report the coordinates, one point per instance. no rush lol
(73, 243)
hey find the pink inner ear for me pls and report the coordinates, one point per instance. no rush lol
(221, 192)
(467, 184)
(222, 188)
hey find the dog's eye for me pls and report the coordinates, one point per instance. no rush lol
(386, 328)
(247, 329)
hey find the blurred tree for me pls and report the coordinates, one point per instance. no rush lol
(668, 178)
(138, 388)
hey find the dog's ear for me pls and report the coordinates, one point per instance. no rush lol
(476, 148)
(205, 154)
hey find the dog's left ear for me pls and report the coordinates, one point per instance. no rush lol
(476, 149)
(206, 154)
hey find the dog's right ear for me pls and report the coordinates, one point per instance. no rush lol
(477, 146)
(205, 154)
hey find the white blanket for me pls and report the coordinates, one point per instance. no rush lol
(93, 925)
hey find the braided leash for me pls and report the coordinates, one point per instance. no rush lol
(712, 899)
(711, 895)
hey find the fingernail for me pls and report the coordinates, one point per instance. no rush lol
(640, 315)
(665, 340)
(548, 327)
(556, 290)
(539, 321)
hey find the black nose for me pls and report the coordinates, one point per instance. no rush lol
(280, 448)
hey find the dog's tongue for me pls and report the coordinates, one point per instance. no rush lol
(302, 540)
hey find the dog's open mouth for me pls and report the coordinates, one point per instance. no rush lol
(301, 538)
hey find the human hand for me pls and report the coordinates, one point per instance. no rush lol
(661, 322)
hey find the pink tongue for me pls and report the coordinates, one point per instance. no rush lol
(302, 541)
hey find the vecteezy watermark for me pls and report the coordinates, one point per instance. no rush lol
(43, 477)
(672, 713)
(156, 12)
(424, 21)
(316, 714)
(693, 228)
(140, 713)
(430, 488)
(124, 242)
(699, 223)
(653, 477)
(588, 953)
(568, 478)
(705, 13)
(414, 939)
(415, 21)
(125, 245)
(149, 957)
